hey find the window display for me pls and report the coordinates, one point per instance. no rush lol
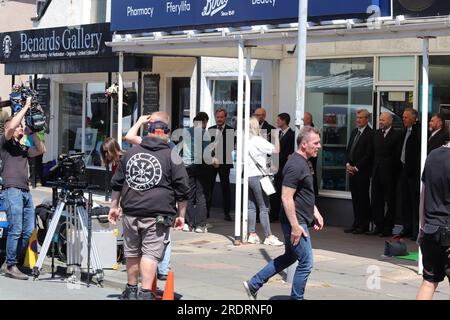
(335, 90)
(225, 96)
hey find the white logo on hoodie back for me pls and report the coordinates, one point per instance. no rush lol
(143, 172)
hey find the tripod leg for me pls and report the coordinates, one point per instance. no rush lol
(48, 238)
(89, 216)
(69, 237)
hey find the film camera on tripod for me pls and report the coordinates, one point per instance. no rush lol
(77, 225)
(68, 172)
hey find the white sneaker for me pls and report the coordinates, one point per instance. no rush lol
(186, 228)
(272, 241)
(253, 239)
(201, 230)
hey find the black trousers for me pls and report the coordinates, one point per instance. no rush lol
(224, 175)
(383, 195)
(359, 187)
(196, 210)
(408, 191)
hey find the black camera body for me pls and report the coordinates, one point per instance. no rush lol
(35, 118)
(69, 171)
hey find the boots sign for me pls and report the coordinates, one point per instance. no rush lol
(55, 43)
(154, 15)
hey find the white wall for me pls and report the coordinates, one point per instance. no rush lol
(174, 67)
(288, 80)
(10, 20)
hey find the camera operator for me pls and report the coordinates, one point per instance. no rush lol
(20, 212)
(434, 212)
(149, 181)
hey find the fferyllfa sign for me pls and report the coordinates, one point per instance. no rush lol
(56, 43)
(162, 15)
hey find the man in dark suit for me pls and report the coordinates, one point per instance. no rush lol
(266, 128)
(222, 135)
(438, 134)
(384, 177)
(408, 189)
(287, 138)
(359, 167)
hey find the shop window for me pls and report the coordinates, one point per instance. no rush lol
(439, 99)
(70, 118)
(97, 122)
(225, 96)
(397, 68)
(335, 90)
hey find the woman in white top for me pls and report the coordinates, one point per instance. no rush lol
(259, 148)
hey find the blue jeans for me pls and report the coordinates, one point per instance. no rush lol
(164, 265)
(301, 252)
(21, 220)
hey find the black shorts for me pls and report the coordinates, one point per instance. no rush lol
(435, 259)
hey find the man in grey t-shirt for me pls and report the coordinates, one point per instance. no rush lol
(19, 203)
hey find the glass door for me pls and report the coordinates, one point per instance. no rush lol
(394, 100)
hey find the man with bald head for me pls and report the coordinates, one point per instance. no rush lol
(438, 133)
(133, 135)
(386, 161)
(266, 128)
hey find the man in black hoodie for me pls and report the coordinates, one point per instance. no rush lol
(150, 180)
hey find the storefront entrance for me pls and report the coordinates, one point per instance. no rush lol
(181, 102)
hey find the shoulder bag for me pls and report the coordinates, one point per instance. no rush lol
(267, 181)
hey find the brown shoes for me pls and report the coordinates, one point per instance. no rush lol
(15, 273)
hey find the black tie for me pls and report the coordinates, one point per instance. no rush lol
(281, 134)
(355, 142)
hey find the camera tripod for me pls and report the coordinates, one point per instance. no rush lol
(77, 221)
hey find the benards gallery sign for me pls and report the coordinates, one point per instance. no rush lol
(129, 15)
(56, 43)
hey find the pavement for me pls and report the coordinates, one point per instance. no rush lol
(209, 267)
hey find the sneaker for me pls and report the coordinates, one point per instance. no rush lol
(15, 273)
(250, 291)
(254, 239)
(130, 293)
(145, 295)
(201, 229)
(273, 241)
(186, 228)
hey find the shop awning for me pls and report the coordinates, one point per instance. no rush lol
(267, 40)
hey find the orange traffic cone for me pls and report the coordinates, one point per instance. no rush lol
(169, 289)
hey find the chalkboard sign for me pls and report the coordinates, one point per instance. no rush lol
(151, 93)
(43, 88)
